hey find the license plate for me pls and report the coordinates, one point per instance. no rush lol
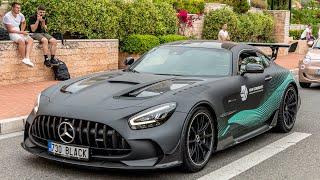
(67, 151)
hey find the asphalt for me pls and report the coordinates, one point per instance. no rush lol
(301, 161)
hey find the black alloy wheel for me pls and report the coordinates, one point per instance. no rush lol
(288, 110)
(199, 140)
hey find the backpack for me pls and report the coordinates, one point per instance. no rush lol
(61, 72)
(4, 35)
(59, 36)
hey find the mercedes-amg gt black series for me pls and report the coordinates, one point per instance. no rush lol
(175, 106)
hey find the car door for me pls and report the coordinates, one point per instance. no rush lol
(252, 93)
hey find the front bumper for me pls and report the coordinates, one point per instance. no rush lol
(142, 164)
(308, 73)
(153, 148)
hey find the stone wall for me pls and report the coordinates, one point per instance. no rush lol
(195, 31)
(214, 6)
(3, 10)
(281, 25)
(81, 56)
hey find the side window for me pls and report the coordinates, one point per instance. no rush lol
(249, 57)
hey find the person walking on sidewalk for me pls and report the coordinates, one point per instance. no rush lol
(38, 28)
(12, 21)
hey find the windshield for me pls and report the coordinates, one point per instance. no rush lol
(185, 61)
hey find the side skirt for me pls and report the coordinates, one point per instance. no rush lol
(260, 130)
(272, 122)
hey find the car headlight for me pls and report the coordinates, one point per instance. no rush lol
(36, 104)
(152, 117)
(307, 60)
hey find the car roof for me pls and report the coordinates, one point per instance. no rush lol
(203, 44)
(209, 44)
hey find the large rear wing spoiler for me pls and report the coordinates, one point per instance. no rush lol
(275, 47)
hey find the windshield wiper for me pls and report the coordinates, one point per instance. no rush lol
(169, 74)
(132, 70)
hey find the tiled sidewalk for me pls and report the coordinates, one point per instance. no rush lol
(290, 61)
(18, 100)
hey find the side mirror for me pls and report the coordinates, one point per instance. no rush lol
(252, 68)
(128, 61)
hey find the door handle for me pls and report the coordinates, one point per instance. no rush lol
(268, 78)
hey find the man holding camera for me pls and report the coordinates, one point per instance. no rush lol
(38, 28)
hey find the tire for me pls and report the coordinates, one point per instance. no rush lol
(304, 85)
(198, 141)
(288, 110)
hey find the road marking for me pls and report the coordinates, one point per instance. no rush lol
(241, 165)
(11, 135)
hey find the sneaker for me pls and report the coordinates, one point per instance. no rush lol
(54, 62)
(47, 63)
(27, 62)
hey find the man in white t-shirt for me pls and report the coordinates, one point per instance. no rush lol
(223, 34)
(12, 21)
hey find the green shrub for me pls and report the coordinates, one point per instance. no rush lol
(305, 16)
(92, 19)
(296, 34)
(241, 6)
(139, 43)
(215, 20)
(253, 27)
(279, 4)
(171, 38)
(192, 6)
(262, 4)
(105, 18)
(145, 17)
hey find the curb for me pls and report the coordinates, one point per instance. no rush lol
(11, 125)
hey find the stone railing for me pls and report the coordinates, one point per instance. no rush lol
(81, 56)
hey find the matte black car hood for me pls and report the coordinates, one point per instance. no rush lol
(118, 89)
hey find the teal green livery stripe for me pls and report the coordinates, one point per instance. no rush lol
(259, 115)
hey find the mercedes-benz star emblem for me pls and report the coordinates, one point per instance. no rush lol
(66, 132)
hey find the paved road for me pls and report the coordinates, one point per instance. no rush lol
(300, 161)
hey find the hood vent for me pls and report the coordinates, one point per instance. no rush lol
(158, 88)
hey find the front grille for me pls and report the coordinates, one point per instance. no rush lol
(100, 138)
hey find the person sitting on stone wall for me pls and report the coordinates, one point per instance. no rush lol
(12, 21)
(38, 28)
(223, 34)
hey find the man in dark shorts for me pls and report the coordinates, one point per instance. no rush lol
(38, 31)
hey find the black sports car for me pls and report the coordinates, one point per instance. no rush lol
(176, 105)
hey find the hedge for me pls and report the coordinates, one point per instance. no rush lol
(171, 38)
(145, 17)
(253, 27)
(214, 21)
(106, 18)
(305, 16)
(139, 44)
(296, 34)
